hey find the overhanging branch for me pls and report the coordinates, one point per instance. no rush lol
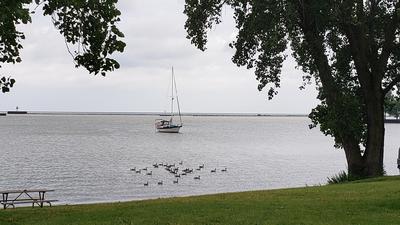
(391, 84)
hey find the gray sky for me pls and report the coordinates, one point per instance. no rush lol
(156, 40)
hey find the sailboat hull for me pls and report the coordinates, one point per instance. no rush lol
(174, 129)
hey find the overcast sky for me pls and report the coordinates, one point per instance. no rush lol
(156, 40)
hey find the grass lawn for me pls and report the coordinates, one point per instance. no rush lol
(375, 201)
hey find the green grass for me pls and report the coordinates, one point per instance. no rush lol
(375, 201)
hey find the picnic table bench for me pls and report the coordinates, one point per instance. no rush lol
(13, 197)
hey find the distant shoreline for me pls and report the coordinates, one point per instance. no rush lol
(60, 113)
(392, 120)
(163, 114)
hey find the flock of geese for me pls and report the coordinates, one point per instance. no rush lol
(175, 169)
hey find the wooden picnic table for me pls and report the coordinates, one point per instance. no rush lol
(12, 197)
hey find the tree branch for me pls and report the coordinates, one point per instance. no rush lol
(359, 41)
(391, 84)
(317, 50)
(223, 3)
(393, 67)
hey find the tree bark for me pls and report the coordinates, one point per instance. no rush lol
(369, 164)
(376, 133)
(356, 163)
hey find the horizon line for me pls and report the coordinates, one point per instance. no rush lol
(157, 113)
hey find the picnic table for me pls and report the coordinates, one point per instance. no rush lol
(34, 197)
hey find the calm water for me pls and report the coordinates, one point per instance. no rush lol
(88, 158)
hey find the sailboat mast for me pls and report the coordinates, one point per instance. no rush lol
(172, 94)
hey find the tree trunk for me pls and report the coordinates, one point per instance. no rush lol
(369, 164)
(355, 161)
(376, 134)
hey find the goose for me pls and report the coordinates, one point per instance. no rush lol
(146, 184)
(224, 170)
(160, 183)
(197, 177)
(181, 162)
(149, 173)
(187, 170)
(138, 171)
(145, 169)
(155, 165)
(214, 170)
(175, 181)
(133, 169)
(201, 166)
(177, 175)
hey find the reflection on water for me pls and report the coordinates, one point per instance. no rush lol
(89, 158)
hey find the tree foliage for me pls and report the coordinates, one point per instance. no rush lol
(88, 26)
(351, 48)
(392, 105)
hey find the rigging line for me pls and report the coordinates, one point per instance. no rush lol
(177, 101)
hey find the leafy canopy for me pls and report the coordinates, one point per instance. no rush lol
(88, 26)
(392, 105)
(349, 47)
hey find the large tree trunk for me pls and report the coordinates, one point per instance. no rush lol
(355, 161)
(376, 133)
(369, 164)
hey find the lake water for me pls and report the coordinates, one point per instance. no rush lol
(88, 158)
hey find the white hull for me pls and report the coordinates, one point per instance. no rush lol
(169, 130)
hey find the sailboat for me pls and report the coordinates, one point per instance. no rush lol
(168, 126)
